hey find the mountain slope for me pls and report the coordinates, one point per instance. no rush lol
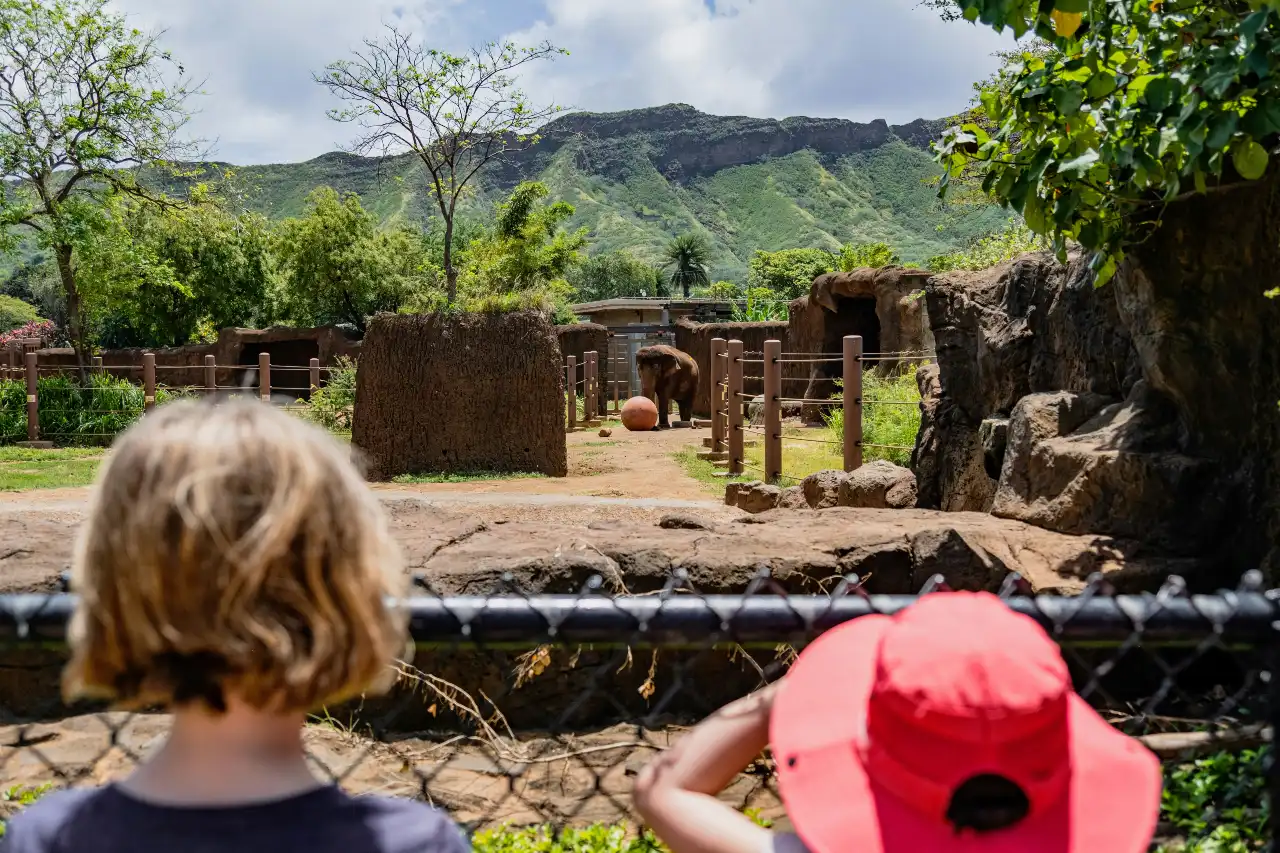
(637, 178)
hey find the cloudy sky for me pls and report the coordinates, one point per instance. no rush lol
(856, 59)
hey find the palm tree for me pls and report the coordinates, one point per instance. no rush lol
(688, 254)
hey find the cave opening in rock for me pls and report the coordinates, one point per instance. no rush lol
(854, 315)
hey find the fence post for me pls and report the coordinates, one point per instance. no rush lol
(772, 411)
(97, 365)
(719, 377)
(852, 403)
(734, 402)
(148, 381)
(593, 383)
(616, 405)
(571, 389)
(264, 376)
(210, 375)
(33, 400)
(314, 364)
(13, 371)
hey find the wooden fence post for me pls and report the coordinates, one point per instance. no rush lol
(772, 411)
(33, 399)
(593, 386)
(735, 402)
(148, 381)
(210, 375)
(315, 374)
(852, 403)
(97, 365)
(13, 371)
(264, 376)
(719, 378)
(571, 391)
(617, 406)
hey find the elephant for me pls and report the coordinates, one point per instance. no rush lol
(667, 374)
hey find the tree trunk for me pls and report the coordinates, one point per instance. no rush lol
(75, 322)
(450, 274)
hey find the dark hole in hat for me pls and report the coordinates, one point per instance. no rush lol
(791, 762)
(987, 803)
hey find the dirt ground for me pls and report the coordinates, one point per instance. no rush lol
(635, 465)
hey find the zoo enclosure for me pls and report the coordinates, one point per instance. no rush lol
(729, 425)
(593, 685)
(75, 410)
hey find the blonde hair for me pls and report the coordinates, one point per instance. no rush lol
(232, 549)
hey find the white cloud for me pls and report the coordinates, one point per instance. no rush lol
(858, 59)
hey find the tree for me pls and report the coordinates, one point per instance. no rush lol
(616, 274)
(337, 266)
(790, 272)
(1139, 104)
(687, 257)
(83, 103)
(528, 249)
(457, 114)
(867, 255)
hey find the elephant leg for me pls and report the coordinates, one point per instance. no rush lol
(686, 409)
(664, 409)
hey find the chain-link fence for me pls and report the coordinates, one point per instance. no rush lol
(526, 716)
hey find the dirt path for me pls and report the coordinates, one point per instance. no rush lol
(627, 465)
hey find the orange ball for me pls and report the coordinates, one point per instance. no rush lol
(639, 414)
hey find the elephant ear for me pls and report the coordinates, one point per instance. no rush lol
(670, 365)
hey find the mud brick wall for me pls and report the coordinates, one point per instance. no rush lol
(581, 338)
(475, 392)
(695, 339)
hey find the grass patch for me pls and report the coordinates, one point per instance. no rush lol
(464, 477)
(23, 469)
(890, 417)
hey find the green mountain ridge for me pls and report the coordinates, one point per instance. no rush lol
(640, 177)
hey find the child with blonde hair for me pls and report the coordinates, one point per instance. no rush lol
(234, 568)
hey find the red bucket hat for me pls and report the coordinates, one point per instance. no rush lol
(882, 719)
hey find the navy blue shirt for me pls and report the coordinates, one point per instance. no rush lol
(327, 820)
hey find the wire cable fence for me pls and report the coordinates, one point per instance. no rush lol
(845, 415)
(519, 711)
(52, 404)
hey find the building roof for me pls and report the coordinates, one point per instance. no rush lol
(633, 303)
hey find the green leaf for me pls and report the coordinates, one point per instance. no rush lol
(1221, 129)
(1034, 214)
(1162, 92)
(1100, 85)
(1073, 6)
(1068, 99)
(1250, 159)
(1080, 166)
(1263, 120)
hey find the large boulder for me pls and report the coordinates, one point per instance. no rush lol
(1077, 464)
(822, 490)
(752, 497)
(879, 485)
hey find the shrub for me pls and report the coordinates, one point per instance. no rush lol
(333, 406)
(762, 306)
(15, 313)
(33, 329)
(987, 251)
(884, 425)
(72, 414)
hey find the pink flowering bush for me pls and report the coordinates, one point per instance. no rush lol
(36, 329)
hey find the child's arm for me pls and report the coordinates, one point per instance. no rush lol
(676, 793)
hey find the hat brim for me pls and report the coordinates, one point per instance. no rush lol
(1111, 806)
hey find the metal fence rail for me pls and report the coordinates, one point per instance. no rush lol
(536, 709)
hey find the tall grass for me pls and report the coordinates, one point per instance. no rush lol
(893, 425)
(71, 414)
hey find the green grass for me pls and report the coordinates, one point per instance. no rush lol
(463, 477)
(22, 469)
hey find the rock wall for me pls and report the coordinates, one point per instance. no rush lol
(581, 338)
(476, 392)
(695, 339)
(1145, 409)
(291, 352)
(881, 305)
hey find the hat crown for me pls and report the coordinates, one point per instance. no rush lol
(966, 666)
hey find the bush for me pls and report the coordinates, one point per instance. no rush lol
(985, 252)
(884, 425)
(333, 406)
(762, 306)
(15, 313)
(72, 414)
(33, 329)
